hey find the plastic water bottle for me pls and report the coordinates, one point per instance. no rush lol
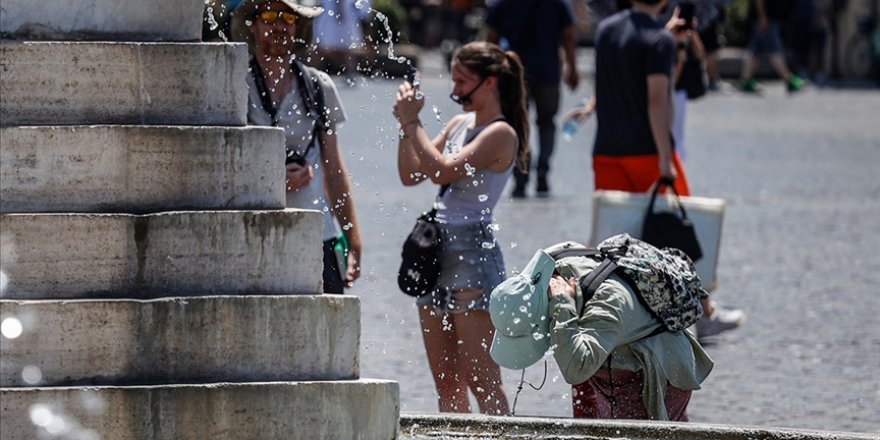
(569, 129)
(571, 126)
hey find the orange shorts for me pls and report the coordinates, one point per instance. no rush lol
(634, 173)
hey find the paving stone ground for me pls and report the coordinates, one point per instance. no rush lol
(800, 249)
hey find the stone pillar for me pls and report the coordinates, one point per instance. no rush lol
(153, 284)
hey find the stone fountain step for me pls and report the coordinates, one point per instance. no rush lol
(182, 340)
(134, 169)
(187, 253)
(362, 409)
(67, 83)
(124, 20)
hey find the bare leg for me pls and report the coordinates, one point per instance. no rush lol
(778, 63)
(748, 66)
(441, 345)
(483, 375)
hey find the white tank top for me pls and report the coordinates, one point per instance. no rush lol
(473, 197)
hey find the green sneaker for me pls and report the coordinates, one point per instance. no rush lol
(794, 84)
(748, 86)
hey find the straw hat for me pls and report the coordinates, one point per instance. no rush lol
(239, 18)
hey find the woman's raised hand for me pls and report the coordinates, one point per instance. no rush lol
(408, 104)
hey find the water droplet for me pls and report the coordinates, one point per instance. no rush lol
(31, 375)
(469, 169)
(11, 328)
(41, 415)
(483, 197)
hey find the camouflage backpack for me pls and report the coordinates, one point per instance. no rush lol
(664, 280)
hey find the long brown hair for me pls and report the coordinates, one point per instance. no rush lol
(487, 59)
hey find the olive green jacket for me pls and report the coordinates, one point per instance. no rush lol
(614, 322)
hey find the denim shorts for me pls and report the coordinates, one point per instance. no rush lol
(471, 259)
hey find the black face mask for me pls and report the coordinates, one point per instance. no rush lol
(466, 99)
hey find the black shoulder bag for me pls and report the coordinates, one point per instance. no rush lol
(420, 257)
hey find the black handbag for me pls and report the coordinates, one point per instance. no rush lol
(669, 228)
(420, 257)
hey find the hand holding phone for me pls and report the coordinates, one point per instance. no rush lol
(412, 76)
(686, 11)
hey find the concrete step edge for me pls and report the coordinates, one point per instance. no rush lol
(103, 19)
(181, 340)
(64, 83)
(180, 253)
(365, 409)
(440, 426)
(135, 169)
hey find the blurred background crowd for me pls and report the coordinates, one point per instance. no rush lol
(823, 39)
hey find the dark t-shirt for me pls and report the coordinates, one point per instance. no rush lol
(533, 28)
(776, 10)
(630, 46)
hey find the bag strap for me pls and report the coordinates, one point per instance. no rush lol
(432, 214)
(590, 283)
(313, 97)
(661, 182)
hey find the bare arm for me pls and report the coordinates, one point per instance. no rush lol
(341, 202)
(420, 157)
(569, 44)
(409, 166)
(659, 115)
(761, 12)
(493, 148)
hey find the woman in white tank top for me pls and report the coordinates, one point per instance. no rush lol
(474, 155)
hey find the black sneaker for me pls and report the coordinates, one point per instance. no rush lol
(519, 192)
(543, 187)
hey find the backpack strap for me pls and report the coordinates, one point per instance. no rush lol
(590, 282)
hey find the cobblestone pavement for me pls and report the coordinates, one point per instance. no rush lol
(800, 249)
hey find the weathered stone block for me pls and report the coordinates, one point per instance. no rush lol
(363, 409)
(182, 340)
(122, 20)
(190, 253)
(138, 169)
(66, 83)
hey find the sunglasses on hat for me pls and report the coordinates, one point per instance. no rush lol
(270, 17)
